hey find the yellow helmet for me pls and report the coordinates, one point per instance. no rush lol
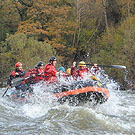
(82, 63)
(69, 71)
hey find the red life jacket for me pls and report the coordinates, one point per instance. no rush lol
(20, 72)
(13, 73)
(50, 73)
(82, 72)
(79, 72)
(38, 75)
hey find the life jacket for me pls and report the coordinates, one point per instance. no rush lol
(50, 73)
(21, 73)
(79, 72)
(39, 75)
(83, 72)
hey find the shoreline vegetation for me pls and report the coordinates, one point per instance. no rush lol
(100, 31)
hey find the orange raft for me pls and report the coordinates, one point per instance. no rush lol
(85, 93)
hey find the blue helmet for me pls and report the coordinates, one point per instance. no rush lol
(62, 68)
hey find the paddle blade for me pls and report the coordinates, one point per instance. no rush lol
(16, 81)
(109, 66)
(119, 66)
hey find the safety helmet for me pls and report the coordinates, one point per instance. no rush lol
(62, 68)
(41, 63)
(18, 64)
(69, 71)
(52, 59)
(82, 63)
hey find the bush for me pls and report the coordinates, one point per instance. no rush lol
(25, 49)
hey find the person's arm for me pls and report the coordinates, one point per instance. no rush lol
(54, 72)
(73, 71)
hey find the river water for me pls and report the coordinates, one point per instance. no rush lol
(45, 116)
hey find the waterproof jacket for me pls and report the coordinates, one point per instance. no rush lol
(50, 73)
(13, 75)
(34, 76)
(79, 73)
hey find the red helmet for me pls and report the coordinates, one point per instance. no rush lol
(18, 64)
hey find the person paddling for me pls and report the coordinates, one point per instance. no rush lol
(50, 72)
(36, 74)
(62, 70)
(18, 72)
(95, 70)
(83, 71)
(65, 74)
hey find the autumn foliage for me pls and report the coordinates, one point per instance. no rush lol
(97, 31)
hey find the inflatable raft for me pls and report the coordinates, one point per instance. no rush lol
(75, 93)
(83, 91)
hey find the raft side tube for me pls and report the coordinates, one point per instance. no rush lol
(83, 90)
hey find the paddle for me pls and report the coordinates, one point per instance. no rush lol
(5, 92)
(15, 82)
(18, 81)
(110, 66)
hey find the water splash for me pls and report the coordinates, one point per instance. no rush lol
(114, 116)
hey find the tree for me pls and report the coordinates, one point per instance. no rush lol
(50, 21)
(25, 49)
(9, 18)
